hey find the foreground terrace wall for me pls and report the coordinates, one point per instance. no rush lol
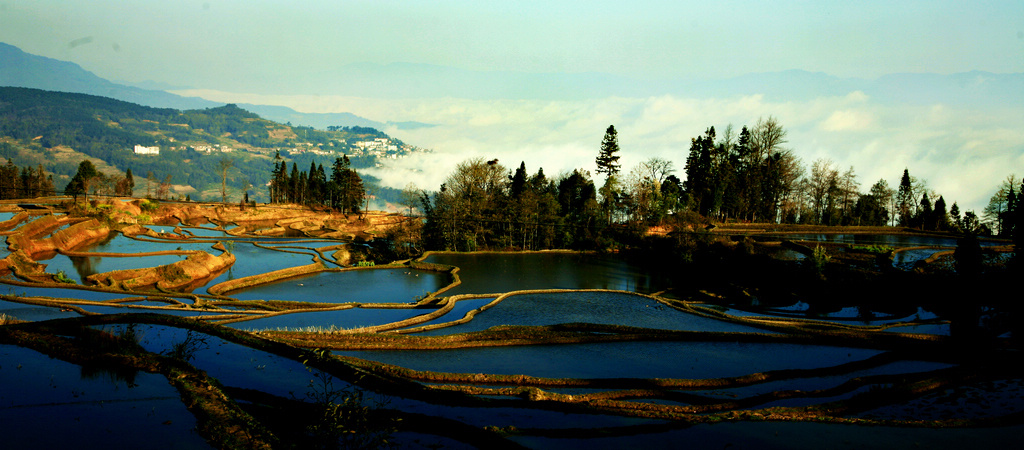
(180, 276)
(26, 246)
(264, 278)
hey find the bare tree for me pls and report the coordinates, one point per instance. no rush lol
(150, 181)
(993, 214)
(164, 189)
(766, 138)
(885, 196)
(225, 164)
(657, 169)
(411, 196)
(821, 184)
(849, 189)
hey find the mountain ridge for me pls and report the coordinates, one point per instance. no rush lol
(60, 129)
(22, 69)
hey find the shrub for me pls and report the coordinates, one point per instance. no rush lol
(877, 249)
(62, 277)
(818, 259)
(344, 418)
(186, 349)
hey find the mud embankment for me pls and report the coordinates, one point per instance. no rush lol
(181, 276)
(27, 245)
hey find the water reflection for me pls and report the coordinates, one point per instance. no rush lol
(360, 286)
(503, 272)
(49, 403)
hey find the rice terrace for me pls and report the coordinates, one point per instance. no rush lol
(511, 225)
(204, 325)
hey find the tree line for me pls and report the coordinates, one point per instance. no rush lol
(484, 205)
(344, 191)
(24, 182)
(744, 176)
(89, 180)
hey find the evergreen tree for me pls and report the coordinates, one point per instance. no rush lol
(347, 186)
(518, 180)
(1009, 226)
(1018, 229)
(126, 185)
(940, 221)
(10, 181)
(80, 183)
(923, 217)
(339, 182)
(956, 223)
(321, 181)
(700, 172)
(577, 199)
(294, 185)
(608, 164)
(278, 180)
(312, 185)
(608, 160)
(904, 199)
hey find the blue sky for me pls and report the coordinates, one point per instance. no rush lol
(207, 43)
(324, 56)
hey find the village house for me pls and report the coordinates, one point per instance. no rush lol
(142, 150)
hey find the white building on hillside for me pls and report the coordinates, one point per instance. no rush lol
(140, 150)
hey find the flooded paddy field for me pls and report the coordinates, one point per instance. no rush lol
(508, 350)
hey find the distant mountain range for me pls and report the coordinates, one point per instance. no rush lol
(20, 69)
(405, 80)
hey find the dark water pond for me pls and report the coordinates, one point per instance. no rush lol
(503, 272)
(48, 403)
(589, 307)
(622, 359)
(326, 320)
(458, 312)
(118, 243)
(891, 240)
(803, 435)
(362, 286)
(239, 366)
(32, 312)
(24, 291)
(231, 364)
(252, 260)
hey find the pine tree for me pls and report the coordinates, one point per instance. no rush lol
(312, 185)
(518, 182)
(129, 183)
(607, 160)
(941, 219)
(1010, 225)
(904, 198)
(278, 179)
(924, 215)
(1018, 229)
(295, 183)
(700, 172)
(955, 221)
(81, 181)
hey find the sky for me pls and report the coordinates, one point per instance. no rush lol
(346, 56)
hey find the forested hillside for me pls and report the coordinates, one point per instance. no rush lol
(58, 130)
